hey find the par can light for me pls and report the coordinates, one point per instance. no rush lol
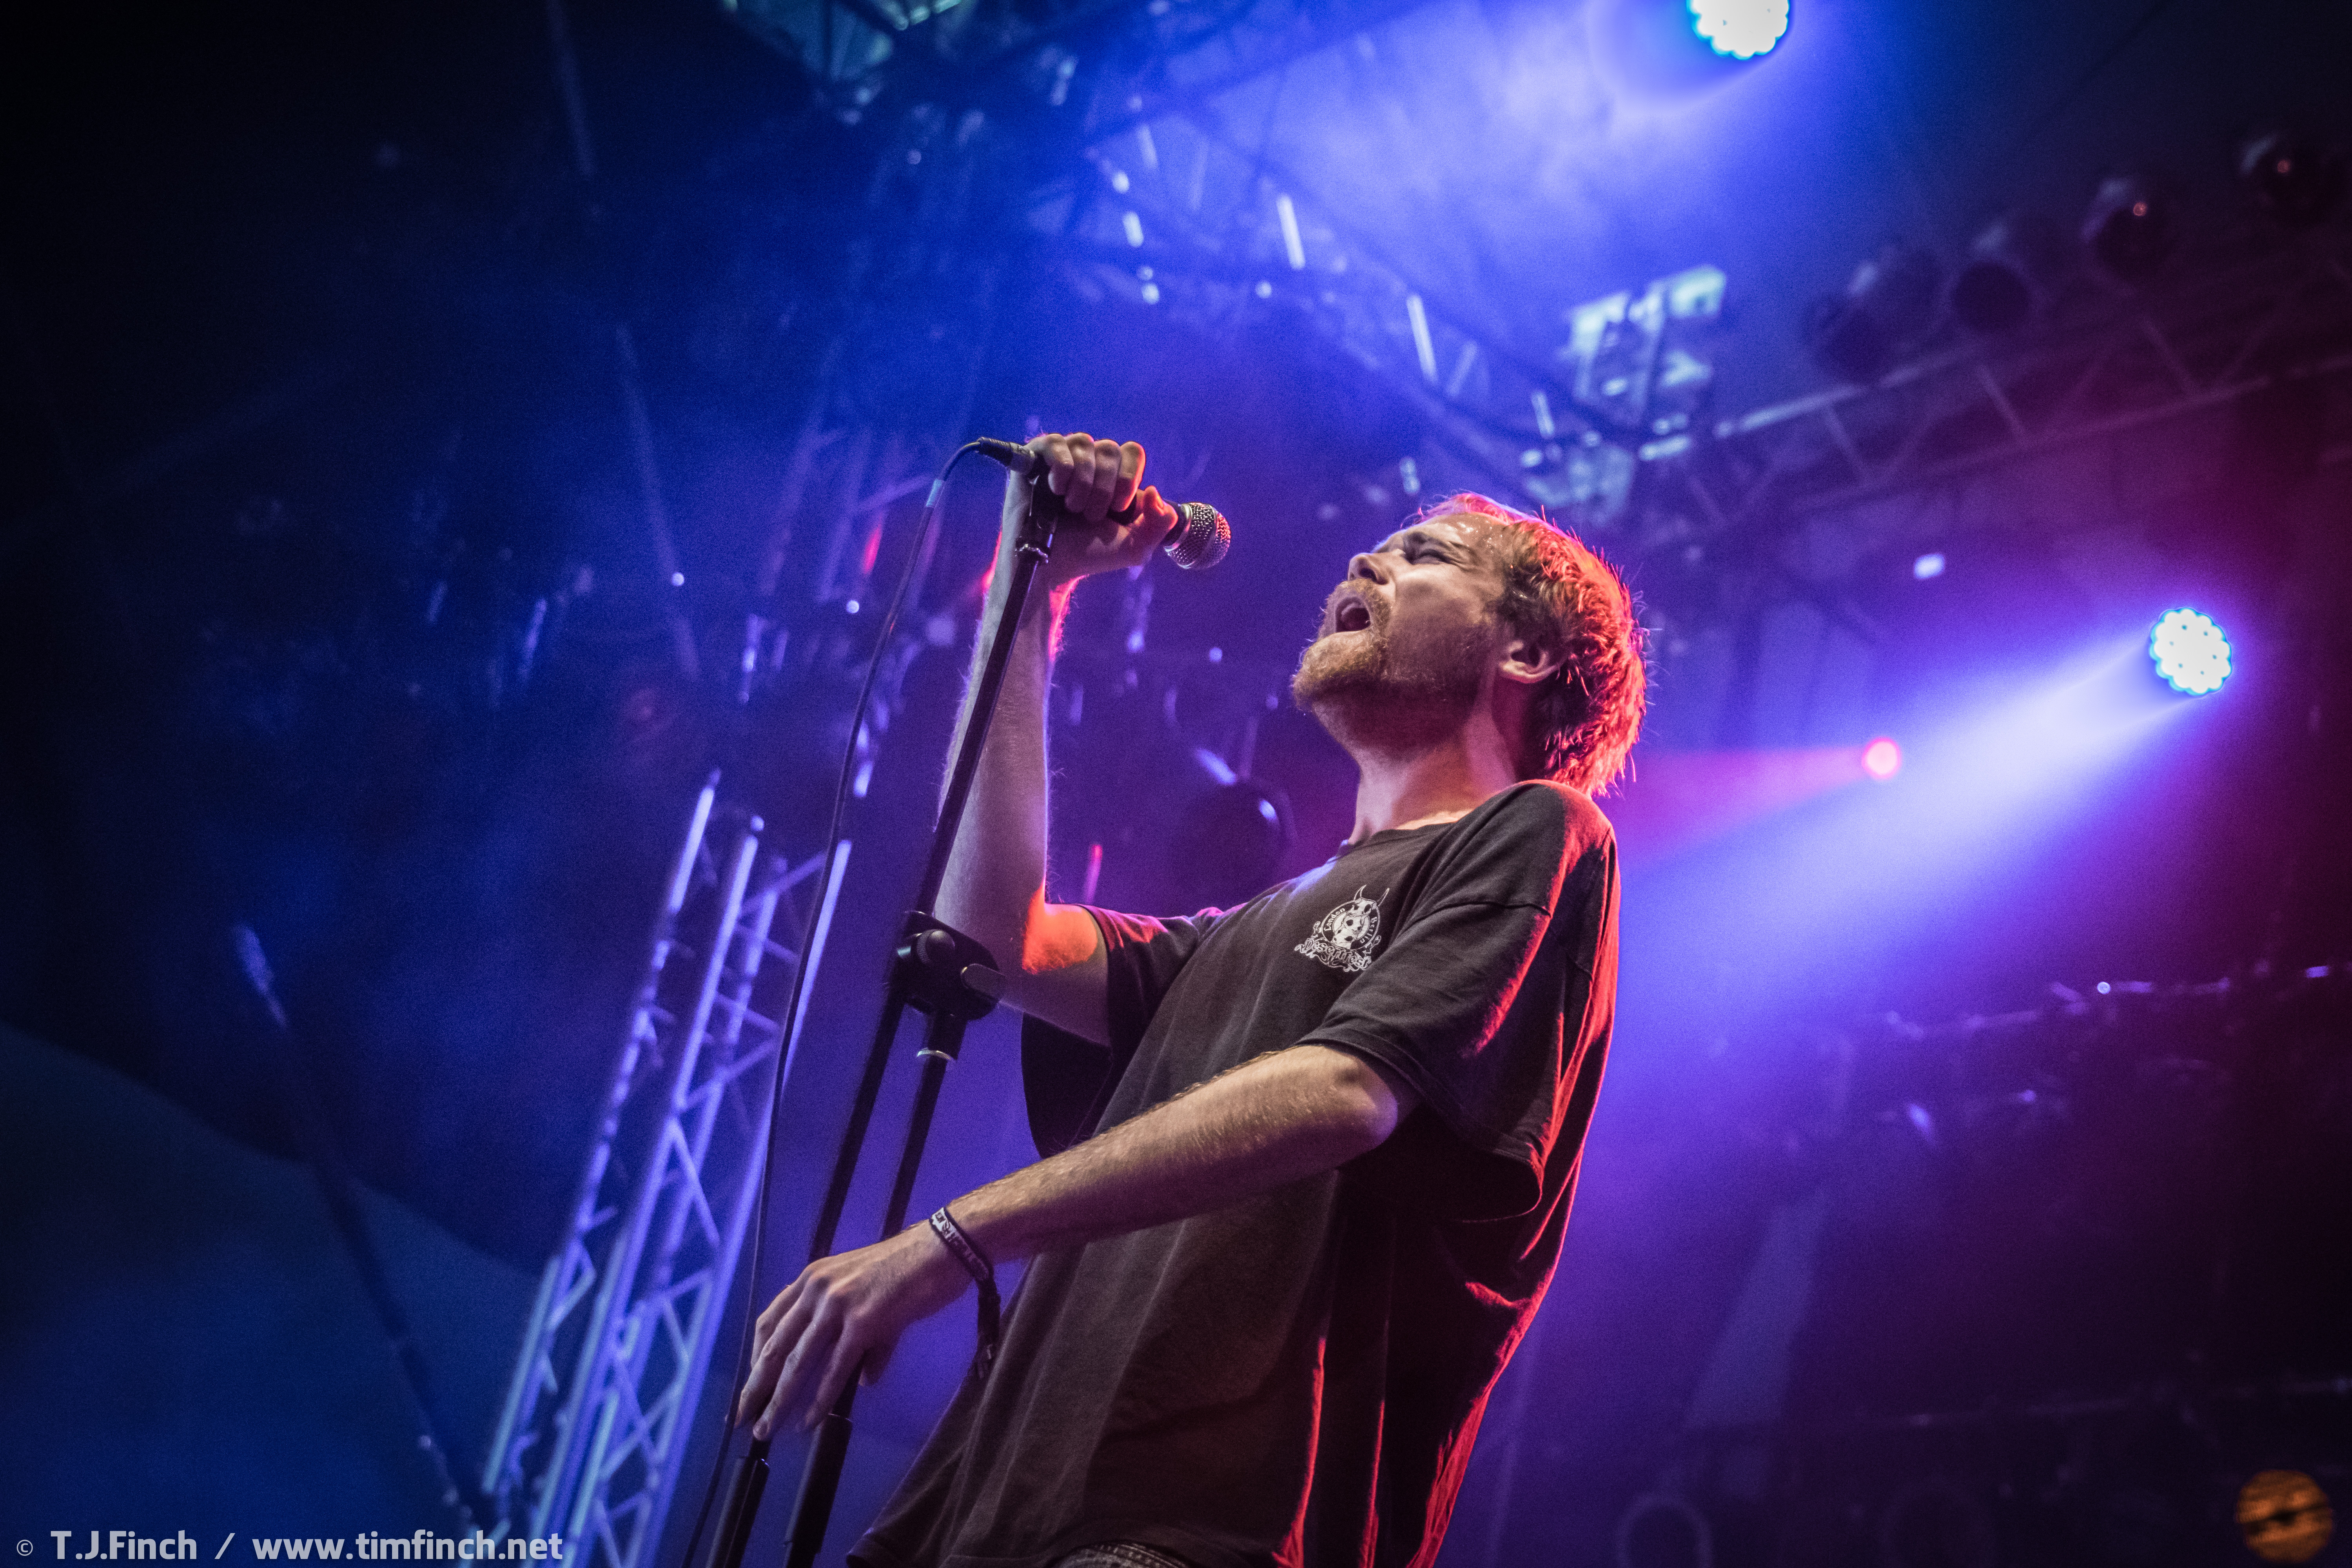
(2295, 180)
(1741, 28)
(2130, 230)
(1887, 306)
(2191, 651)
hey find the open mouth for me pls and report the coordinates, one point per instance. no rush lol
(1353, 615)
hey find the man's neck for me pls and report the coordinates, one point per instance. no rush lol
(1435, 783)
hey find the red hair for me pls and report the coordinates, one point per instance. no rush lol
(1559, 595)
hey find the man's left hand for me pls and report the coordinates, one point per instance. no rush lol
(842, 1313)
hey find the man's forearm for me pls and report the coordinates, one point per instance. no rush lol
(998, 870)
(1272, 1120)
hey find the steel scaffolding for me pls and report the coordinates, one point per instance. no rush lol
(611, 1366)
(2230, 327)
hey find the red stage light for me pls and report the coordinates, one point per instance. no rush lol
(1882, 758)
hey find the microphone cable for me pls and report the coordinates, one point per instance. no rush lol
(799, 980)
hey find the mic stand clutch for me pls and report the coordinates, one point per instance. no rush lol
(950, 979)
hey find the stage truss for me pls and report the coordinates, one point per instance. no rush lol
(602, 1400)
(1610, 430)
(1116, 125)
(2232, 328)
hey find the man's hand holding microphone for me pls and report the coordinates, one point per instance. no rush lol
(1112, 521)
(844, 1315)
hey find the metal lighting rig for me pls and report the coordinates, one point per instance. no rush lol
(601, 1401)
(2231, 325)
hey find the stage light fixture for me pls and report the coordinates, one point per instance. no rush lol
(2129, 229)
(2006, 276)
(1226, 835)
(2294, 178)
(1882, 758)
(1741, 28)
(2190, 651)
(2284, 1516)
(1889, 304)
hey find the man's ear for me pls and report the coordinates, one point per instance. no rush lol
(1527, 663)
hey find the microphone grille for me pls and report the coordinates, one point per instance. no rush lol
(1202, 537)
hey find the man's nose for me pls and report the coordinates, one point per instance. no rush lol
(1367, 564)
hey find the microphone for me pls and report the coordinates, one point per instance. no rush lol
(1201, 535)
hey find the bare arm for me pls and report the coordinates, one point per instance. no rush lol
(1268, 1123)
(995, 886)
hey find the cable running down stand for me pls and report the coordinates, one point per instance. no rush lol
(953, 979)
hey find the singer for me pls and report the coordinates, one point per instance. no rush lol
(1310, 1161)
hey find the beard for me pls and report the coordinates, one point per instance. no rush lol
(1377, 693)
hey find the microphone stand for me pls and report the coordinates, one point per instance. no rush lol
(953, 979)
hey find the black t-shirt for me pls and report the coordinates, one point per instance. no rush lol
(1297, 1379)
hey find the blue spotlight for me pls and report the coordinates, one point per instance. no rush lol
(1741, 28)
(2191, 651)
